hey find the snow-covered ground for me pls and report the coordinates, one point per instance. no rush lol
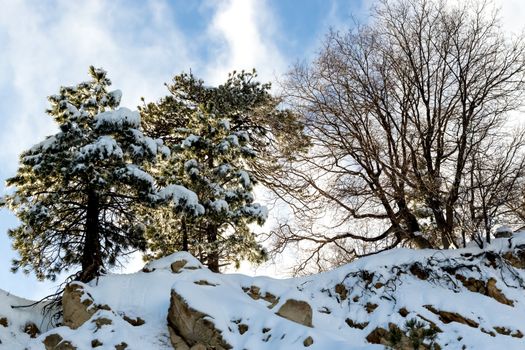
(473, 298)
(16, 324)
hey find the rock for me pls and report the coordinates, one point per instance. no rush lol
(76, 311)
(255, 293)
(502, 330)
(486, 288)
(417, 270)
(199, 346)
(193, 326)
(324, 310)
(297, 311)
(370, 307)
(65, 345)
(308, 341)
(78, 306)
(497, 294)
(243, 328)
(447, 317)
(56, 342)
(134, 321)
(31, 329)
(341, 290)
(204, 283)
(4, 322)
(491, 333)
(472, 284)
(516, 258)
(403, 312)
(377, 336)
(121, 346)
(357, 325)
(178, 265)
(51, 341)
(177, 342)
(506, 331)
(102, 321)
(96, 343)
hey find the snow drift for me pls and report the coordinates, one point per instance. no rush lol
(428, 299)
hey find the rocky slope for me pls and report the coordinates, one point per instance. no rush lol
(462, 299)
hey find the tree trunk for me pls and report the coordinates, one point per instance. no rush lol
(412, 226)
(91, 256)
(441, 222)
(211, 232)
(213, 254)
(184, 228)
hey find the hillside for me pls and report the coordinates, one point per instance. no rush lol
(460, 299)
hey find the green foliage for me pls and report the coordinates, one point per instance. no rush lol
(220, 139)
(76, 192)
(415, 335)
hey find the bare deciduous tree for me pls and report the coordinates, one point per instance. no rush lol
(408, 118)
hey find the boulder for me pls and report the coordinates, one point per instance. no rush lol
(178, 265)
(193, 326)
(297, 311)
(76, 307)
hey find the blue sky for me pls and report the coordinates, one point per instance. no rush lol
(142, 44)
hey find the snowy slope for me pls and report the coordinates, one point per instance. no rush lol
(17, 325)
(472, 298)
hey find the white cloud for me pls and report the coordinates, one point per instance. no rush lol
(51, 45)
(245, 35)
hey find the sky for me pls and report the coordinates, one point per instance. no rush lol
(142, 45)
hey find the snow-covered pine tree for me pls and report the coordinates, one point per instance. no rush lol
(76, 192)
(211, 133)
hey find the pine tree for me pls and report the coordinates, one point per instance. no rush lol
(214, 137)
(77, 192)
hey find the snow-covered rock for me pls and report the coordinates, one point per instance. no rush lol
(460, 299)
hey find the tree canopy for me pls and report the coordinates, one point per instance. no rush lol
(76, 192)
(215, 137)
(408, 117)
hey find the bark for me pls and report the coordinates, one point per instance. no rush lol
(184, 229)
(213, 254)
(92, 256)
